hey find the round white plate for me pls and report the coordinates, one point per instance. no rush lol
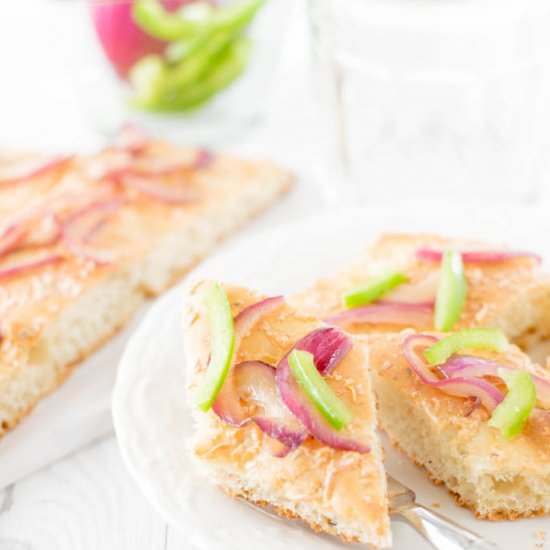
(152, 421)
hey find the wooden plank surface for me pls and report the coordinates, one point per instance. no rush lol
(85, 502)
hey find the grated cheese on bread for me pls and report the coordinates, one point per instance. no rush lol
(494, 477)
(513, 295)
(338, 492)
(51, 318)
(497, 479)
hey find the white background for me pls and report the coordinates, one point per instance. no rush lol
(87, 501)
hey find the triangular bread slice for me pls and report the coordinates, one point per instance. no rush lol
(334, 491)
(513, 295)
(451, 437)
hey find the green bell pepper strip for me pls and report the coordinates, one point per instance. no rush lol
(147, 77)
(374, 290)
(197, 65)
(451, 291)
(184, 49)
(513, 411)
(203, 53)
(179, 50)
(490, 339)
(157, 21)
(152, 17)
(222, 346)
(316, 389)
(230, 67)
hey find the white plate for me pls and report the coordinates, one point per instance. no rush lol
(150, 414)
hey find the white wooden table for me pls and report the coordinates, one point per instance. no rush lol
(87, 501)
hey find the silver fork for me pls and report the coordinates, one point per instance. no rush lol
(440, 532)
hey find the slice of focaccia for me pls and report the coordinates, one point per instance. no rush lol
(84, 241)
(505, 290)
(260, 447)
(451, 436)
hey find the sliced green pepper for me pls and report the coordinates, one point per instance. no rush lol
(182, 49)
(374, 290)
(209, 57)
(451, 292)
(229, 67)
(194, 67)
(512, 413)
(222, 345)
(320, 394)
(147, 77)
(152, 17)
(490, 339)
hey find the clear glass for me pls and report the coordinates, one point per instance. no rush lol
(104, 95)
(431, 100)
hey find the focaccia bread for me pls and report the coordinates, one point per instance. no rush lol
(84, 240)
(513, 294)
(335, 490)
(450, 436)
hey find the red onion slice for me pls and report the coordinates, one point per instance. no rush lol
(203, 159)
(488, 394)
(75, 238)
(36, 169)
(158, 192)
(64, 203)
(150, 167)
(108, 164)
(132, 138)
(155, 166)
(478, 367)
(255, 383)
(417, 363)
(384, 313)
(30, 265)
(40, 232)
(326, 354)
(11, 238)
(227, 405)
(250, 315)
(40, 226)
(328, 346)
(475, 256)
(466, 365)
(290, 438)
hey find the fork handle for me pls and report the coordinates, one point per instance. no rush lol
(443, 533)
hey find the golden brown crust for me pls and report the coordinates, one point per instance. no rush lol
(28, 302)
(494, 477)
(494, 515)
(64, 373)
(291, 515)
(513, 295)
(532, 445)
(178, 274)
(154, 245)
